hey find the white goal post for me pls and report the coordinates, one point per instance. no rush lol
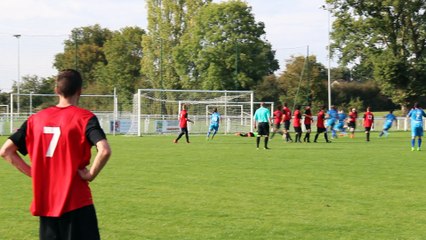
(156, 110)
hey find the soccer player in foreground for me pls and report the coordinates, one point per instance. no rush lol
(58, 140)
(416, 114)
(262, 118)
(214, 124)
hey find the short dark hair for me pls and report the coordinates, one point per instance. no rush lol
(416, 105)
(68, 82)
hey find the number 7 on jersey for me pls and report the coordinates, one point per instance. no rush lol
(56, 131)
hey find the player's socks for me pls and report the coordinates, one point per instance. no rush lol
(333, 133)
(266, 142)
(413, 141)
(316, 137)
(368, 137)
(419, 143)
(326, 137)
(257, 142)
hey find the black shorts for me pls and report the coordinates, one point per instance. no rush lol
(287, 125)
(80, 224)
(321, 130)
(277, 125)
(367, 129)
(298, 129)
(351, 124)
(184, 130)
(308, 126)
(263, 129)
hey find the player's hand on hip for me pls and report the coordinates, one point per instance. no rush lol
(85, 174)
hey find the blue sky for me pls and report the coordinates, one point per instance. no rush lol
(291, 26)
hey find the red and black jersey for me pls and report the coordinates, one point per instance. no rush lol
(286, 114)
(58, 141)
(297, 118)
(183, 119)
(278, 115)
(308, 117)
(320, 119)
(368, 119)
(353, 116)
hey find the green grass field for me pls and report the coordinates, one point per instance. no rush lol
(226, 189)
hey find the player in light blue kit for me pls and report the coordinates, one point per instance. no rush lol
(416, 114)
(340, 126)
(331, 120)
(390, 118)
(214, 124)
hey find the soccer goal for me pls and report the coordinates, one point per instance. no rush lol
(103, 106)
(156, 111)
(4, 118)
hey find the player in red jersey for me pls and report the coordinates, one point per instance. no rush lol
(320, 125)
(353, 115)
(277, 118)
(307, 121)
(297, 124)
(58, 140)
(368, 122)
(183, 124)
(286, 120)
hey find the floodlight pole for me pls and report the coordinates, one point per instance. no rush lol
(329, 61)
(18, 82)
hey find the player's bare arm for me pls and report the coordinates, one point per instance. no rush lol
(9, 151)
(101, 158)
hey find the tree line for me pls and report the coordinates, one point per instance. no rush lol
(198, 44)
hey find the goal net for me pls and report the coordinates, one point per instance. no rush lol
(156, 111)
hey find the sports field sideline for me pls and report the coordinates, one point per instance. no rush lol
(226, 189)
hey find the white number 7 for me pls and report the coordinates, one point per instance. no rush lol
(56, 131)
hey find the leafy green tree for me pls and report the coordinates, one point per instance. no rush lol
(4, 100)
(167, 22)
(83, 51)
(268, 90)
(388, 36)
(123, 53)
(34, 84)
(226, 49)
(303, 82)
